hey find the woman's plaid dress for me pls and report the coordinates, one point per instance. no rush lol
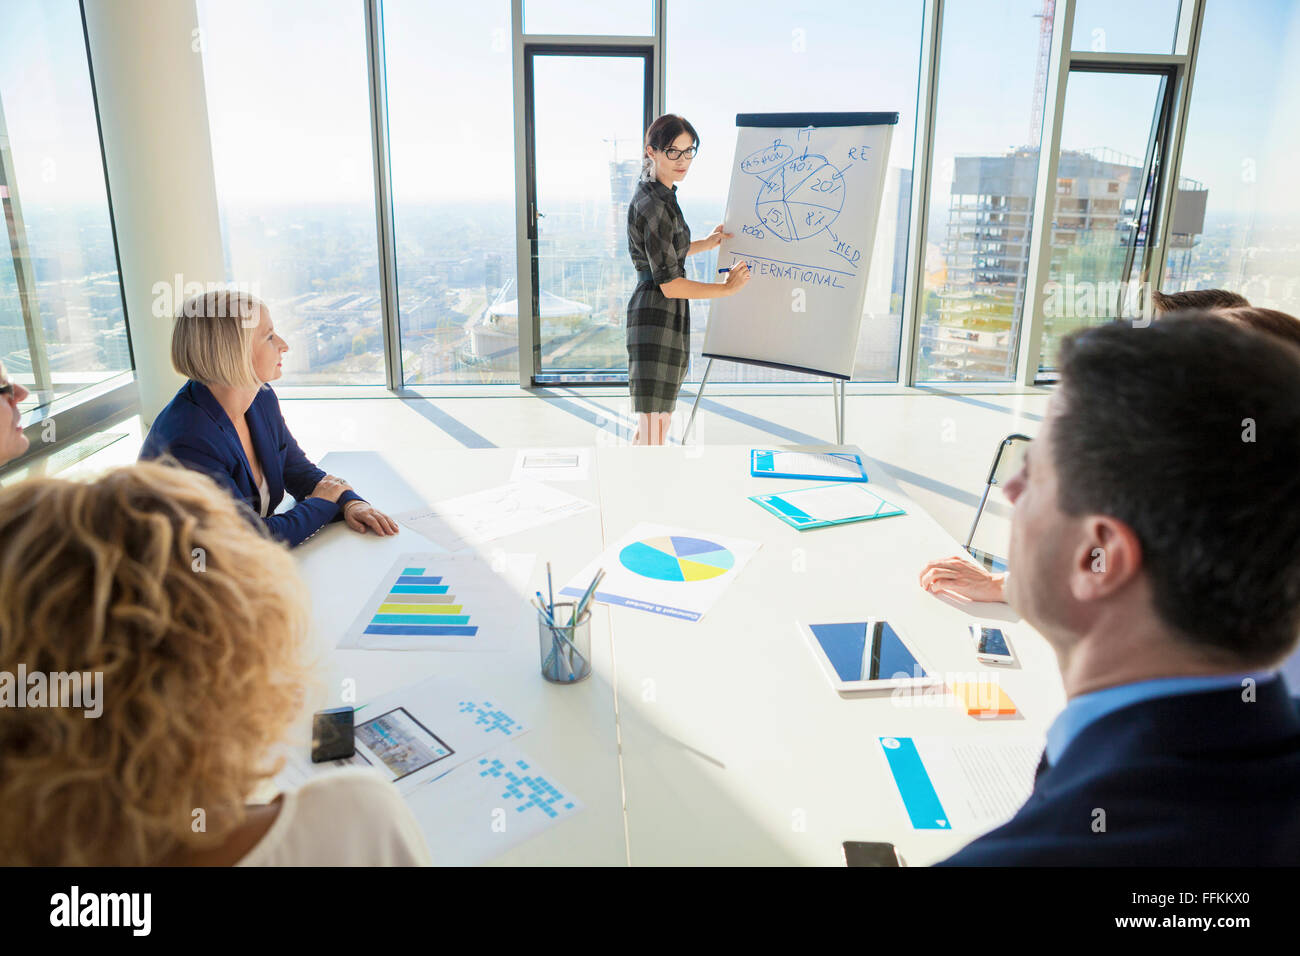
(658, 328)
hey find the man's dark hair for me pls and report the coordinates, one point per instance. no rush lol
(1281, 324)
(1199, 299)
(1188, 431)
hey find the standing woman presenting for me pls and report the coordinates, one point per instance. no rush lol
(659, 313)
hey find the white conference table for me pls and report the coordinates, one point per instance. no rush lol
(715, 742)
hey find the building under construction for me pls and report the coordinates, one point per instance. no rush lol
(971, 326)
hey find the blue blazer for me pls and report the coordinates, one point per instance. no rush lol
(196, 430)
(1201, 779)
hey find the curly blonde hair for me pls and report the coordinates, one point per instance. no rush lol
(197, 621)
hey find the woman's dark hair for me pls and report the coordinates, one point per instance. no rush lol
(667, 128)
(1187, 432)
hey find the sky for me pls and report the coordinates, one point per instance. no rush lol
(287, 92)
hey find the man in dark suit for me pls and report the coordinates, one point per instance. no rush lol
(1156, 545)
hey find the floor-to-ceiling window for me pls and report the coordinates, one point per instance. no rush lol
(291, 147)
(62, 324)
(451, 147)
(1236, 222)
(993, 65)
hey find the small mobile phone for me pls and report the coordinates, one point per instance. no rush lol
(331, 735)
(870, 854)
(991, 644)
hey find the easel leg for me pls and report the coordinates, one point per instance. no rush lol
(835, 402)
(843, 388)
(699, 393)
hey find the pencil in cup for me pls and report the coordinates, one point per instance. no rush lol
(565, 643)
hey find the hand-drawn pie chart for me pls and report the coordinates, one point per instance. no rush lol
(801, 198)
(677, 558)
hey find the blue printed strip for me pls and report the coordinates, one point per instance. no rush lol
(620, 601)
(420, 588)
(421, 630)
(914, 786)
(418, 579)
(420, 619)
(413, 570)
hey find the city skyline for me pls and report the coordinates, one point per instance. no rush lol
(296, 197)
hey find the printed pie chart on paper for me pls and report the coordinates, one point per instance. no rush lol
(677, 558)
(666, 570)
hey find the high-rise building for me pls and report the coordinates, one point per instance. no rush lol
(1099, 223)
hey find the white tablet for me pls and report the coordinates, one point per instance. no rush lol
(867, 655)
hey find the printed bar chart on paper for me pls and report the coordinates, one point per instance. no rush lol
(439, 602)
(420, 604)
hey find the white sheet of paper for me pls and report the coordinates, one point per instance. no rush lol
(552, 464)
(458, 523)
(664, 570)
(810, 463)
(981, 781)
(490, 601)
(416, 734)
(488, 805)
(837, 502)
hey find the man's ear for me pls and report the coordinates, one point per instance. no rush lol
(1107, 561)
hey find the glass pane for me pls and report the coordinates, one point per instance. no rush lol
(988, 126)
(58, 242)
(589, 116)
(827, 56)
(1123, 26)
(1234, 222)
(590, 17)
(289, 111)
(451, 144)
(1102, 202)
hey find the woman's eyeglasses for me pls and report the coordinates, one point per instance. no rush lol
(676, 154)
(6, 389)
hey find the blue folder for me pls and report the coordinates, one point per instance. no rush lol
(762, 464)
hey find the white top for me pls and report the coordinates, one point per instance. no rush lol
(347, 817)
(264, 493)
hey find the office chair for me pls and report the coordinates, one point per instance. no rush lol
(1006, 462)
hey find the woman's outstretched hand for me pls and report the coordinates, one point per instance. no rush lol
(716, 236)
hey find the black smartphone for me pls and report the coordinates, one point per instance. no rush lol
(331, 735)
(870, 854)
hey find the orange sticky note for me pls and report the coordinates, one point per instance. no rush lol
(982, 698)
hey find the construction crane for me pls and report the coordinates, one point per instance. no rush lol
(1045, 21)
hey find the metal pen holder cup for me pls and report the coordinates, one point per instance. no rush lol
(566, 647)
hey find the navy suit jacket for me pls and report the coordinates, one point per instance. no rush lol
(196, 430)
(1201, 779)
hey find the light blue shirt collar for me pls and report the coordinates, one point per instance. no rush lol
(1086, 708)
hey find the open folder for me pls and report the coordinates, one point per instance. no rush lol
(825, 505)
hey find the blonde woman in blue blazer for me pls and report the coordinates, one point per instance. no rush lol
(226, 421)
